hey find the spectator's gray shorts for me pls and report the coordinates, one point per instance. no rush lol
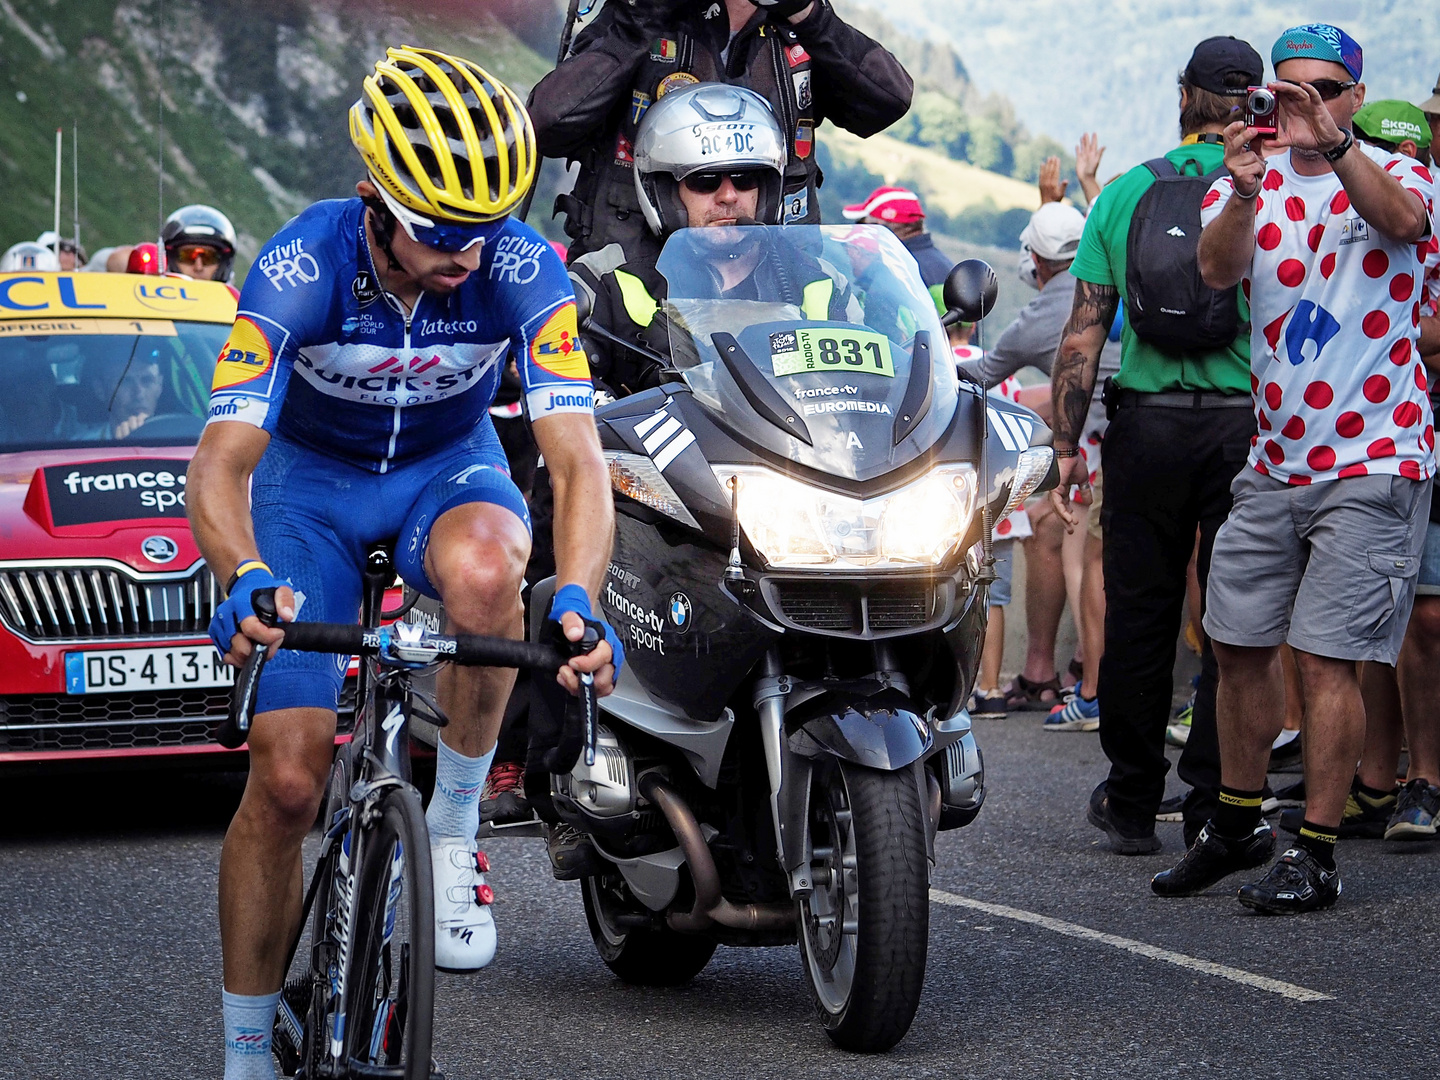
(1328, 567)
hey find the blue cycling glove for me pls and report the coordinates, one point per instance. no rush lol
(239, 605)
(576, 599)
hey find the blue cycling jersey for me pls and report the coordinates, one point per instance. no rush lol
(320, 355)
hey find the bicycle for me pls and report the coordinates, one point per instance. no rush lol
(364, 1005)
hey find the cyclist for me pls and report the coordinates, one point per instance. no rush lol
(199, 243)
(351, 403)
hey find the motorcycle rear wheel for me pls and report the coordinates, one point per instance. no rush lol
(641, 957)
(865, 927)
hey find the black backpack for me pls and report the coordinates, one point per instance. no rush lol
(1167, 303)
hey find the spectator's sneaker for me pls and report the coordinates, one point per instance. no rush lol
(572, 855)
(1286, 757)
(1178, 733)
(1297, 883)
(464, 926)
(1268, 802)
(1126, 838)
(1077, 714)
(1291, 795)
(988, 705)
(503, 800)
(1212, 858)
(1364, 818)
(1416, 808)
(1172, 809)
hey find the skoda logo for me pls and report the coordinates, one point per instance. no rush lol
(680, 611)
(161, 549)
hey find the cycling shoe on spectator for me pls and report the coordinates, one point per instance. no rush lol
(464, 926)
(1416, 808)
(1212, 858)
(1296, 884)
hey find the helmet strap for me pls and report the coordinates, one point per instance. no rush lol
(384, 224)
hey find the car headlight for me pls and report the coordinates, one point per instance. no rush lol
(636, 476)
(796, 526)
(1031, 468)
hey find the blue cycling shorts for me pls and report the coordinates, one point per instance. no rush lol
(316, 519)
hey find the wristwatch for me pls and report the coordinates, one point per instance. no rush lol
(1346, 141)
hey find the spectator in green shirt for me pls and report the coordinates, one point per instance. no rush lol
(1181, 425)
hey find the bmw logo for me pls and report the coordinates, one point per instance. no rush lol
(161, 549)
(680, 611)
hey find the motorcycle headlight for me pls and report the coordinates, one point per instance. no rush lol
(636, 476)
(796, 526)
(1031, 468)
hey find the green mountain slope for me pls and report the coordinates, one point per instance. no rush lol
(253, 94)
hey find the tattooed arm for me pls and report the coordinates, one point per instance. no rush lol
(1072, 382)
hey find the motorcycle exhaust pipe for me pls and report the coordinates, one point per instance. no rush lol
(710, 906)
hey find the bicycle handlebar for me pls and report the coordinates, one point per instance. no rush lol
(414, 645)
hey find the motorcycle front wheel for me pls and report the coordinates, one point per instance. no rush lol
(865, 927)
(641, 956)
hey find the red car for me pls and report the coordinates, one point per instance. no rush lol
(104, 599)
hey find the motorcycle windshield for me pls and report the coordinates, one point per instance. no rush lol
(828, 317)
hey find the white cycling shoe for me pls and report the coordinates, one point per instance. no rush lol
(464, 926)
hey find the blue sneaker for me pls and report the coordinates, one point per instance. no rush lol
(1416, 809)
(1077, 714)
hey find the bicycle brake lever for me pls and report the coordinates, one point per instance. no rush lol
(235, 728)
(589, 707)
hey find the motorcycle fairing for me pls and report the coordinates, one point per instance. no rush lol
(863, 722)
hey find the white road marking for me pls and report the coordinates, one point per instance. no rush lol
(1084, 933)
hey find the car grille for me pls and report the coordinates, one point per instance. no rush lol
(143, 720)
(86, 602)
(849, 606)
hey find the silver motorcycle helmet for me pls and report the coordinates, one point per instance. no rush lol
(709, 127)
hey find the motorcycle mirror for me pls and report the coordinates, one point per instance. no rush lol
(970, 291)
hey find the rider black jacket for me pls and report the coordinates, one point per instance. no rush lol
(588, 108)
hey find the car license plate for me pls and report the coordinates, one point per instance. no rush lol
(113, 671)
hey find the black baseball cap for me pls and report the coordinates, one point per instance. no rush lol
(1217, 60)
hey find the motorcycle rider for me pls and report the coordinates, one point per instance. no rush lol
(199, 243)
(342, 457)
(682, 180)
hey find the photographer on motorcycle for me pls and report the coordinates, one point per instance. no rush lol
(798, 55)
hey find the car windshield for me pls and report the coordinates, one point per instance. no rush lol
(831, 317)
(98, 382)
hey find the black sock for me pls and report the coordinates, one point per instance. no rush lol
(1319, 840)
(1374, 794)
(1238, 814)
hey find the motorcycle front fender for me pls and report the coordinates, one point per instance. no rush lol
(880, 731)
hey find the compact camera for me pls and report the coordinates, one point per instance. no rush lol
(1260, 110)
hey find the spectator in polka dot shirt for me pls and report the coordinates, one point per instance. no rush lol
(1323, 544)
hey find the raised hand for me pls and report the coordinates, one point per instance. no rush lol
(1087, 164)
(1243, 159)
(1305, 122)
(1052, 188)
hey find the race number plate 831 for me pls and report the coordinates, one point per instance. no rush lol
(112, 671)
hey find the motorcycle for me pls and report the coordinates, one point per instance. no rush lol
(800, 577)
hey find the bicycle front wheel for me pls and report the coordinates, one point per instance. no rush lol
(390, 992)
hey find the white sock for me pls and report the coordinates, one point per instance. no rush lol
(249, 1022)
(1285, 738)
(455, 807)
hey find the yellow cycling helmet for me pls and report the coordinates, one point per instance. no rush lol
(443, 137)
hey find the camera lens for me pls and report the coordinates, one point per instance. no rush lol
(1261, 102)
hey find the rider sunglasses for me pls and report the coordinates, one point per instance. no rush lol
(1328, 89)
(449, 237)
(707, 183)
(203, 254)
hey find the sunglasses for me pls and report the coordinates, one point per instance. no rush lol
(1328, 89)
(203, 254)
(707, 183)
(449, 237)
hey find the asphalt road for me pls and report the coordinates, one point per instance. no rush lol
(110, 959)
